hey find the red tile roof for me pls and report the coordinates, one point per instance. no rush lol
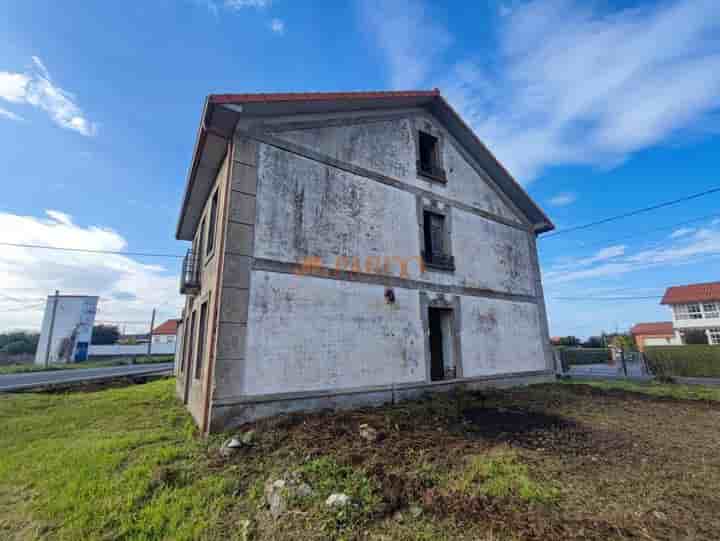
(319, 96)
(709, 291)
(169, 327)
(659, 327)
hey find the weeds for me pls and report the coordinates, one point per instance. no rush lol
(500, 474)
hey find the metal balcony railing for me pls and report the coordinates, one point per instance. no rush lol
(190, 274)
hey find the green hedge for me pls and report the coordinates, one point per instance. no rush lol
(684, 361)
(576, 356)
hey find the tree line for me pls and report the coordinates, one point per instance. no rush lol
(19, 342)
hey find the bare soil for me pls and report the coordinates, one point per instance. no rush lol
(625, 465)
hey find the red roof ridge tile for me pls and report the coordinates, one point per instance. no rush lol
(310, 96)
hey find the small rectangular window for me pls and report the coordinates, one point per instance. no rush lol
(434, 235)
(202, 331)
(212, 223)
(436, 249)
(694, 311)
(428, 149)
(712, 310)
(714, 336)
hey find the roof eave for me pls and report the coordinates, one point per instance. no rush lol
(223, 130)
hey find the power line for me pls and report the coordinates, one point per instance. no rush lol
(631, 298)
(23, 308)
(88, 251)
(632, 213)
(646, 231)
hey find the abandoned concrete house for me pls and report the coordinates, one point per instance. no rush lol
(348, 249)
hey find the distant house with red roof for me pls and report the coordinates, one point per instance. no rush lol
(696, 310)
(696, 318)
(165, 333)
(660, 333)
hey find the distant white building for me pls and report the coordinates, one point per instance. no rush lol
(695, 307)
(66, 329)
(165, 333)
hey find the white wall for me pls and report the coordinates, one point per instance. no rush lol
(500, 336)
(163, 339)
(306, 208)
(74, 314)
(131, 349)
(387, 147)
(312, 333)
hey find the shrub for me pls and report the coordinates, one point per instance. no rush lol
(684, 361)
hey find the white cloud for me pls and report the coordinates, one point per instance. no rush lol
(277, 26)
(13, 86)
(129, 290)
(700, 245)
(562, 199)
(10, 115)
(214, 6)
(683, 231)
(241, 4)
(566, 82)
(408, 37)
(36, 88)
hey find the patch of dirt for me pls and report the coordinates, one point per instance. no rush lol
(627, 466)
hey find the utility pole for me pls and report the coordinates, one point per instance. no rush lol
(50, 331)
(152, 326)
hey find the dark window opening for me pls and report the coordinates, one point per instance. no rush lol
(429, 156)
(212, 223)
(442, 365)
(436, 252)
(202, 330)
(185, 344)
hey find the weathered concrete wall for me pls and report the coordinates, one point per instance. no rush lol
(282, 338)
(198, 387)
(313, 333)
(500, 336)
(310, 209)
(235, 288)
(387, 147)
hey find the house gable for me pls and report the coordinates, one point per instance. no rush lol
(223, 113)
(388, 145)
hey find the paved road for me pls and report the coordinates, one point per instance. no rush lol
(28, 380)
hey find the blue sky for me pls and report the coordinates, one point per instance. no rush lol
(597, 108)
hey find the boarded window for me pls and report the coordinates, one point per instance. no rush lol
(436, 251)
(428, 149)
(434, 225)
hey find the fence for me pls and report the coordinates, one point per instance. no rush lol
(598, 362)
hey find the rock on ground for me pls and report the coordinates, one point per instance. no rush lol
(337, 500)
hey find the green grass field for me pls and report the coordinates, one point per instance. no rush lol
(672, 390)
(602, 461)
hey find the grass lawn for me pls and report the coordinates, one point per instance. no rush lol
(93, 363)
(548, 462)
